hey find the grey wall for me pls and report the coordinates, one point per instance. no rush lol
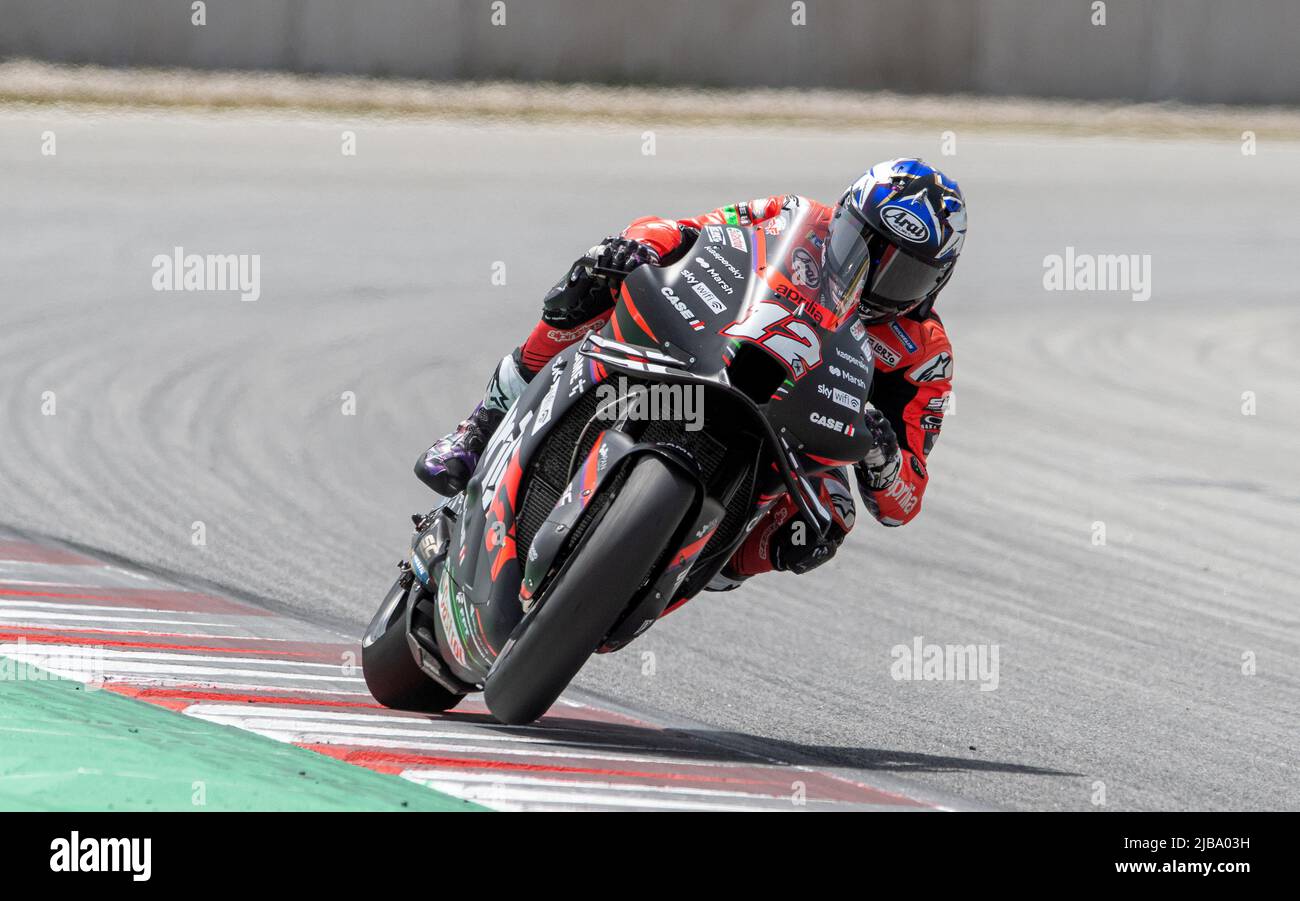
(1245, 51)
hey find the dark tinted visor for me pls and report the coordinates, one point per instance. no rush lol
(864, 268)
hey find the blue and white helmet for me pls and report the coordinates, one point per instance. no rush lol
(894, 238)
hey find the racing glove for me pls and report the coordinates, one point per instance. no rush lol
(879, 468)
(613, 259)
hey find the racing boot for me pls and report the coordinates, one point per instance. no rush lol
(447, 466)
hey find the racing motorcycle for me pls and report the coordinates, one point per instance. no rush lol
(587, 518)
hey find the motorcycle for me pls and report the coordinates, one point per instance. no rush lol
(588, 516)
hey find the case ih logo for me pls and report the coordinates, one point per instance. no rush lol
(906, 224)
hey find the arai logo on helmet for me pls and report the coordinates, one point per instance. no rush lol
(905, 224)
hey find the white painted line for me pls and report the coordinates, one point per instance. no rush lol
(139, 576)
(22, 616)
(7, 603)
(293, 736)
(127, 654)
(243, 687)
(215, 708)
(122, 667)
(325, 722)
(453, 776)
(9, 580)
(509, 798)
(143, 633)
(346, 731)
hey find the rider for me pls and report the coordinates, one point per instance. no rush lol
(888, 247)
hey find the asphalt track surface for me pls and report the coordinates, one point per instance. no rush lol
(1121, 665)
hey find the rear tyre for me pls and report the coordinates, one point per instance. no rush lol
(587, 598)
(392, 675)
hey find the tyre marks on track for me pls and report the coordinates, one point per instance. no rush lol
(235, 664)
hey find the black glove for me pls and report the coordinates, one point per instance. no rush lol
(614, 258)
(880, 466)
(797, 548)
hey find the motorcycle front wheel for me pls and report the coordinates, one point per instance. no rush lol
(588, 597)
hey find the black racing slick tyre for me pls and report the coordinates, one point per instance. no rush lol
(392, 675)
(587, 598)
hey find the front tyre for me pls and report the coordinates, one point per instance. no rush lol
(589, 595)
(392, 675)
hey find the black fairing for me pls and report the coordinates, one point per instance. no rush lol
(784, 382)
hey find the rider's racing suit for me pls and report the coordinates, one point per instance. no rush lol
(911, 387)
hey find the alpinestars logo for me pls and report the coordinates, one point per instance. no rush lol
(935, 369)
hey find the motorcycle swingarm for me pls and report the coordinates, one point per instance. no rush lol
(429, 548)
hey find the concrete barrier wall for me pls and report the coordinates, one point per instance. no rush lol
(1193, 50)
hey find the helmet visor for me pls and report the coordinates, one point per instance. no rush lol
(847, 260)
(899, 282)
(865, 268)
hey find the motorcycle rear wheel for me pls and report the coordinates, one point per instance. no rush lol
(392, 675)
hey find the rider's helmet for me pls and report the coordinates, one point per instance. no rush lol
(894, 238)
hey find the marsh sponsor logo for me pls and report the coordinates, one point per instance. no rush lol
(1098, 272)
(721, 282)
(921, 662)
(183, 271)
(847, 376)
(103, 855)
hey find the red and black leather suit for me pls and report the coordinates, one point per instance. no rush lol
(911, 384)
